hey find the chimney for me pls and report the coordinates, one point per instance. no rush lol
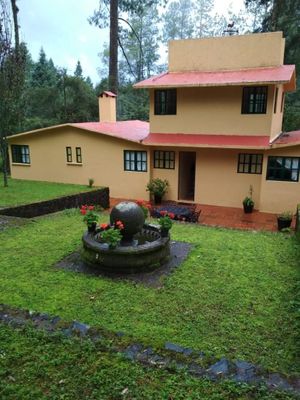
(107, 107)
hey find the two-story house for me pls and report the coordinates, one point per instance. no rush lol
(215, 129)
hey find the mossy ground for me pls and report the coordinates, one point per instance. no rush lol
(235, 295)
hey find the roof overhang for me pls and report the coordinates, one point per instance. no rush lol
(287, 139)
(283, 74)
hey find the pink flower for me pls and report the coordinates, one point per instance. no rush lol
(171, 215)
(90, 208)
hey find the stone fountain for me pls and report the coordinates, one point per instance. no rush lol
(142, 247)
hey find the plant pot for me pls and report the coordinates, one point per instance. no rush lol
(157, 199)
(248, 208)
(92, 227)
(164, 232)
(283, 223)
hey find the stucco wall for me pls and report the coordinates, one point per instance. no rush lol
(102, 160)
(226, 53)
(214, 110)
(279, 196)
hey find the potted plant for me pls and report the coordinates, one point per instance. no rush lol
(158, 187)
(165, 222)
(248, 202)
(90, 217)
(284, 220)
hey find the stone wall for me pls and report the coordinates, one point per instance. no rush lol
(99, 197)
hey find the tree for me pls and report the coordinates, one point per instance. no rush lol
(12, 75)
(78, 70)
(204, 26)
(178, 22)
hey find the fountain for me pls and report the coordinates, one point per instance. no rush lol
(142, 247)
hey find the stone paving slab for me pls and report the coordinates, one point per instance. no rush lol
(172, 357)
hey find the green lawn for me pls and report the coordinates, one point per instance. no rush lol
(34, 366)
(23, 192)
(235, 295)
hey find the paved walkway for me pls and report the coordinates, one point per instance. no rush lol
(231, 217)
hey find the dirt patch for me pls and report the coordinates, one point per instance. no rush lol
(178, 253)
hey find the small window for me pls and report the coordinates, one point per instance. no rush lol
(69, 154)
(164, 159)
(135, 160)
(250, 163)
(283, 169)
(255, 100)
(282, 102)
(20, 154)
(275, 101)
(165, 102)
(78, 155)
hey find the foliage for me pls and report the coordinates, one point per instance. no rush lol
(91, 182)
(233, 296)
(144, 206)
(286, 215)
(165, 221)
(112, 236)
(178, 20)
(158, 187)
(90, 217)
(248, 201)
(23, 192)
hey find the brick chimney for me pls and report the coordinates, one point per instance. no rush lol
(107, 107)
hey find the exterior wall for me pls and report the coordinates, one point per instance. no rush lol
(277, 117)
(107, 108)
(277, 196)
(170, 174)
(214, 110)
(226, 53)
(102, 160)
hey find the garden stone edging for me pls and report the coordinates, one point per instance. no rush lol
(98, 197)
(173, 357)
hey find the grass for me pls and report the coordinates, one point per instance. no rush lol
(34, 366)
(235, 295)
(21, 192)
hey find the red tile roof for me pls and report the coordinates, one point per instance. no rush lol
(134, 131)
(281, 74)
(288, 139)
(201, 140)
(109, 94)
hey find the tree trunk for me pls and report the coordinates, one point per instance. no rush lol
(113, 47)
(15, 11)
(3, 145)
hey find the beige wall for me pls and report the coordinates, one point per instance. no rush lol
(102, 160)
(214, 110)
(226, 53)
(107, 108)
(279, 196)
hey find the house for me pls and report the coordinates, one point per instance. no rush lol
(215, 130)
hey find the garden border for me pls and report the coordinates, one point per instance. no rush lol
(98, 197)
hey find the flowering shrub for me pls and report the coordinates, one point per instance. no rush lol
(144, 206)
(90, 216)
(165, 221)
(111, 234)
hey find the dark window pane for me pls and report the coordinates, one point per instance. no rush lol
(20, 154)
(282, 168)
(164, 159)
(249, 163)
(254, 100)
(165, 102)
(135, 160)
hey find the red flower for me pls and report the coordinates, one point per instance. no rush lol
(119, 225)
(139, 202)
(163, 213)
(82, 211)
(171, 215)
(90, 208)
(104, 226)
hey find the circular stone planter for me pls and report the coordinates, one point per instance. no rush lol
(148, 252)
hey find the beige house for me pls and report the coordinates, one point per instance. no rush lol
(215, 129)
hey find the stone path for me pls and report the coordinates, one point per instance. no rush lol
(172, 357)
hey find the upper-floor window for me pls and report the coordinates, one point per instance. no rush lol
(69, 154)
(165, 101)
(135, 160)
(255, 100)
(250, 163)
(164, 159)
(283, 168)
(78, 155)
(20, 154)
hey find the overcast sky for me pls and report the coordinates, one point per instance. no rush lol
(62, 29)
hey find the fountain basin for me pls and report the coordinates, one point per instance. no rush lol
(148, 252)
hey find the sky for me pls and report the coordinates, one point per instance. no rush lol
(62, 29)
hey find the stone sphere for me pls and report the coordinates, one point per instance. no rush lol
(132, 217)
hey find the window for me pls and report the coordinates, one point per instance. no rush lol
(78, 155)
(20, 154)
(283, 169)
(164, 159)
(275, 100)
(255, 100)
(69, 154)
(250, 163)
(165, 102)
(135, 160)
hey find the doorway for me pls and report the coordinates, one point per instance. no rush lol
(187, 169)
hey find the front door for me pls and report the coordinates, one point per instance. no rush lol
(187, 168)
